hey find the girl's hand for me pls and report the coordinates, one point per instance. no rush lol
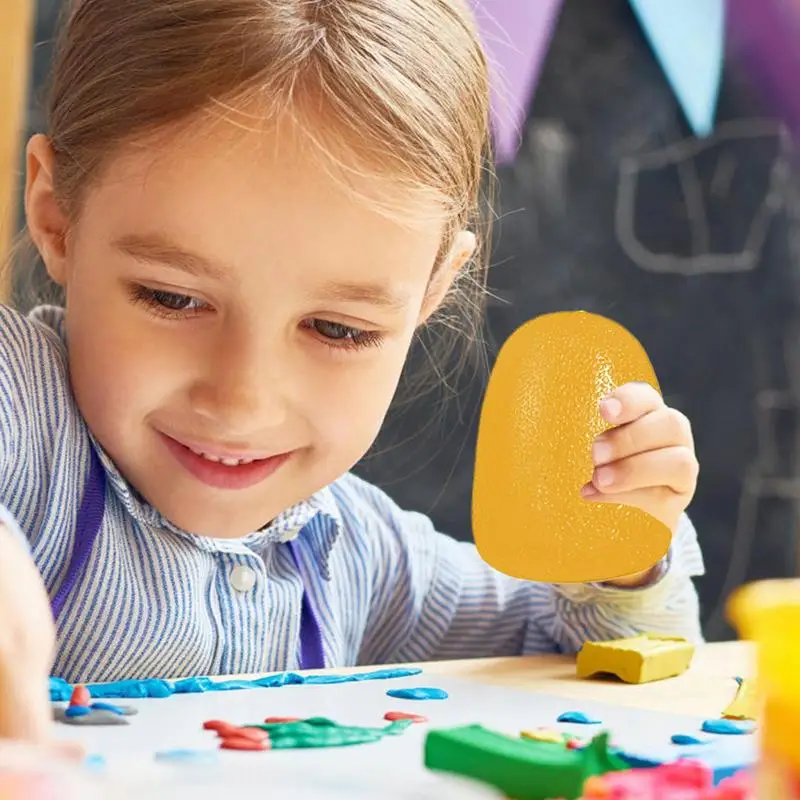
(27, 644)
(647, 460)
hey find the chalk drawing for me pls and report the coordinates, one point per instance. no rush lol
(544, 168)
(682, 156)
(774, 473)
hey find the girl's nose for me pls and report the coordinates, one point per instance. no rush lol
(240, 392)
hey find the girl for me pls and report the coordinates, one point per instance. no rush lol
(251, 206)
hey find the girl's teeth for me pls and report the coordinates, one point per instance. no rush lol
(228, 462)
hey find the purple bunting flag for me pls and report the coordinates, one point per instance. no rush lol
(516, 35)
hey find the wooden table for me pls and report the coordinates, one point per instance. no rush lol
(704, 690)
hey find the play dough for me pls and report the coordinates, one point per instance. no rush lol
(636, 659)
(745, 704)
(539, 419)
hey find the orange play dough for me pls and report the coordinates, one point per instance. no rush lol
(539, 418)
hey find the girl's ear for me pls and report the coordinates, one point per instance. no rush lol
(461, 252)
(47, 223)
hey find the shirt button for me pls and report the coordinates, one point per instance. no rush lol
(243, 579)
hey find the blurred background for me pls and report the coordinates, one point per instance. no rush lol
(612, 205)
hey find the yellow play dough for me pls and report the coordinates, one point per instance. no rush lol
(637, 659)
(745, 704)
(539, 419)
(543, 735)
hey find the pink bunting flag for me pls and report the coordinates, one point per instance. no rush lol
(516, 35)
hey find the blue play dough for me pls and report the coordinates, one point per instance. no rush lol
(727, 726)
(94, 763)
(578, 717)
(188, 756)
(61, 691)
(724, 755)
(77, 711)
(635, 760)
(419, 693)
(108, 707)
(684, 738)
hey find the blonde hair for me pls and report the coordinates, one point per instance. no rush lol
(404, 81)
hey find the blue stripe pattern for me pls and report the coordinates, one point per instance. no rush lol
(157, 602)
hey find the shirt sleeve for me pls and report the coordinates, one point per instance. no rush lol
(435, 598)
(35, 401)
(8, 409)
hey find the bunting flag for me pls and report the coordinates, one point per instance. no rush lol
(765, 34)
(687, 37)
(516, 35)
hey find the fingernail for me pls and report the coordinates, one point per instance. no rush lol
(588, 490)
(604, 476)
(601, 452)
(610, 407)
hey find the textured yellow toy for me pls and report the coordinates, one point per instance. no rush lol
(539, 418)
(639, 659)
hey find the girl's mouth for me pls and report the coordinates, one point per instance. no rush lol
(223, 472)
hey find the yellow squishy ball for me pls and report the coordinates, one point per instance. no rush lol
(539, 419)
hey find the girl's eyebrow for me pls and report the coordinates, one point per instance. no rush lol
(372, 293)
(156, 248)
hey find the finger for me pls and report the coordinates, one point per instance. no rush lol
(675, 468)
(629, 402)
(664, 427)
(25, 712)
(661, 503)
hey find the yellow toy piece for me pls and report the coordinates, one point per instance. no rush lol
(745, 704)
(639, 659)
(543, 735)
(768, 614)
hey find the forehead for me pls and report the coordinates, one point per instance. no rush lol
(237, 194)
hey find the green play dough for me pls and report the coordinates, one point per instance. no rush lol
(322, 732)
(520, 768)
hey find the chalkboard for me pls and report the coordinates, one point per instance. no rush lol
(613, 207)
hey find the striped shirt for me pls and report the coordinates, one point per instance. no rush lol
(156, 601)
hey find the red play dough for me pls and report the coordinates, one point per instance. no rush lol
(220, 726)
(234, 742)
(253, 734)
(276, 720)
(80, 697)
(393, 716)
(574, 744)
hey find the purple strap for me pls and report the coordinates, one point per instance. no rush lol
(312, 656)
(87, 526)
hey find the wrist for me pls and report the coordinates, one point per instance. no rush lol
(635, 581)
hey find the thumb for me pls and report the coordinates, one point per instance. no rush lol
(25, 712)
(27, 643)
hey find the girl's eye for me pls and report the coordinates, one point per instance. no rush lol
(174, 302)
(167, 304)
(336, 335)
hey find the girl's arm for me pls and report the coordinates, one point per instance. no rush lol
(27, 641)
(435, 598)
